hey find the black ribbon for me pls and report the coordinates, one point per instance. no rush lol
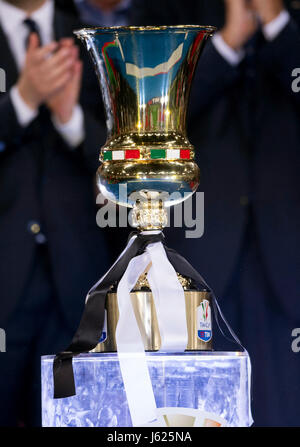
(90, 328)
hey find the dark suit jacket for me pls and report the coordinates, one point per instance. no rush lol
(57, 192)
(244, 123)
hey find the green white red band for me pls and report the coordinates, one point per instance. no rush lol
(150, 154)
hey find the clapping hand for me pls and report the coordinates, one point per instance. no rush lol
(46, 71)
(62, 102)
(244, 16)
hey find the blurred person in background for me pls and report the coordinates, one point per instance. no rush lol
(51, 249)
(244, 123)
(102, 13)
(99, 12)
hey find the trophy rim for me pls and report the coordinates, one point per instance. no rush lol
(114, 29)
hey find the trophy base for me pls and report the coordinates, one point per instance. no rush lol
(199, 329)
(203, 389)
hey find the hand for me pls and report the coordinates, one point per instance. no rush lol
(45, 72)
(63, 102)
(268, 10)
(241, 23)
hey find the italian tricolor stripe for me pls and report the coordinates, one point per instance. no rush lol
(132, 154)
(152, 154)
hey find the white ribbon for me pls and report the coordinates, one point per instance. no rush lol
(169, 300)
(170, 308)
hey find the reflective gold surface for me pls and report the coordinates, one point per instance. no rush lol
(145, 313)
(148, 215)
(145, 75)
(100, 29)
(183, 175)
(143, 284)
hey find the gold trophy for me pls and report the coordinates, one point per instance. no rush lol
(145, 75)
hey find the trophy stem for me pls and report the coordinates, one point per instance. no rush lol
(149, 213)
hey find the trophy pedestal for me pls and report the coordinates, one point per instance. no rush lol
(190, 389)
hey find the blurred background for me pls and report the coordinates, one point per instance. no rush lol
(244, 123)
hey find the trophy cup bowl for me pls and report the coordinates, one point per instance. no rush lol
(145, 75)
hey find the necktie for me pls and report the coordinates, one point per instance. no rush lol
(32, 28)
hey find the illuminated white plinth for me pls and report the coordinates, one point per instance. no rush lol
(191, 389)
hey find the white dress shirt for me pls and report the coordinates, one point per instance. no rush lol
(12, 23)
(270, 31)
